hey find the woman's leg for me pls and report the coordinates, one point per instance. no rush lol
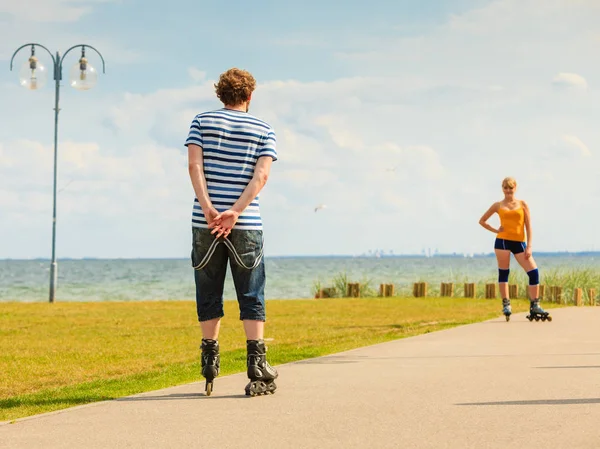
(503, 258)
(530, 268)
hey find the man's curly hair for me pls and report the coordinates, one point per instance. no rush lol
(235, 86)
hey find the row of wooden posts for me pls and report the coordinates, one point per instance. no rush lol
(447, 289)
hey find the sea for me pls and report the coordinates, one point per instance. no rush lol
(287, 277)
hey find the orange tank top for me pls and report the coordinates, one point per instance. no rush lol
(513, 224)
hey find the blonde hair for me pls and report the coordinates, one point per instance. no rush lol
(509, 182)
(235, 87)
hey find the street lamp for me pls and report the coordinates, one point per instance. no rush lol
(33, 76)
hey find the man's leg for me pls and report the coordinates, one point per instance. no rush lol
(254, 329)
(210, 328)
(210, 262)
(248, 270)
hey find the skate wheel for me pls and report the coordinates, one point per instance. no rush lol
(537, 318)
(529, 317)
(507, 317)
(549, 318)
(208, 388)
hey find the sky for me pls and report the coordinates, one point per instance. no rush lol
(402, 117)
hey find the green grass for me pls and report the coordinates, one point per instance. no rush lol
(54, 356)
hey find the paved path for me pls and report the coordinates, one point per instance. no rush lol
(487, 385)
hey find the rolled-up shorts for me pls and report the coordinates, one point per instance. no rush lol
(244, 252)
(513, 246)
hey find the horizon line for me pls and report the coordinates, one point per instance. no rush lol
(462, 255)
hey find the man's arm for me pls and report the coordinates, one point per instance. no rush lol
(225, 221)
(259, 179)
(196, 169)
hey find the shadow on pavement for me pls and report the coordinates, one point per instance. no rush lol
(569, 367)
(540, 402)
(334, 360)
(180, 396)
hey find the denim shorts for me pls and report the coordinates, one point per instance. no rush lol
(511, 245)
(244, 251)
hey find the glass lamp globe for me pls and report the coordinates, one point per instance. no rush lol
(33, 74)
(83, 76)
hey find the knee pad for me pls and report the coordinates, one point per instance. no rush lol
(503, 275)
(534, 276)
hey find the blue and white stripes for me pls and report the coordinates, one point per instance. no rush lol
(231, 141)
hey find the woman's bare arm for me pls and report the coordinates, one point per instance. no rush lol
(485, 217)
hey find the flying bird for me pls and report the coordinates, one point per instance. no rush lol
(320, 206)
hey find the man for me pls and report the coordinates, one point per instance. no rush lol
(230, 154)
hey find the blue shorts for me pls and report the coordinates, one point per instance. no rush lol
(511, 245)
(244, 252)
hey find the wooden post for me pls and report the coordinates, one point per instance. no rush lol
(490, 291)
(556, 294)
(389, 289)
(325, 292)
(469, 290)
(578, 296)
(592, 296)
(447, 289)
(386, 290)
(420, 289)
(513, 291)
(353, 290)
(542, 294)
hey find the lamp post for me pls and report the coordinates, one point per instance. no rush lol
(33, 76)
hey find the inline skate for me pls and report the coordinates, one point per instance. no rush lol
(537, 313)
(506, 309)
(211, 362)
(262, 375)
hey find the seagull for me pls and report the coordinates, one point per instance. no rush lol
(320, 206)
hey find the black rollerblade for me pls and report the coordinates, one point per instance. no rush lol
(537, 313)
(211, 362)
(260, 373)
(506, 309)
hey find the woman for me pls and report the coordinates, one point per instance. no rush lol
(515, 221)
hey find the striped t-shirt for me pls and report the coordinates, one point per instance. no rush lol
(231, 142)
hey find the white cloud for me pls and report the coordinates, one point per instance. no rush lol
(408, 150)
(510, 41)
(197, 75)
(49, 10)
(93, 183)
(380, 148)
(570, 80)
(575, 143)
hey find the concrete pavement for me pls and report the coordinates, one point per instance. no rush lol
(489, 385)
